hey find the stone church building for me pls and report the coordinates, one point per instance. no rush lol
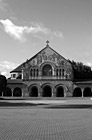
(47, 74)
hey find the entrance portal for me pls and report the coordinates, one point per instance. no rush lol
(7, 92)
(60, 92)
(77, 92)
(17, 92)
(47, 91)
(34, 92)
(87, 92)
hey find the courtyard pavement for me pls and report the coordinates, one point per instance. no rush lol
(46, 119)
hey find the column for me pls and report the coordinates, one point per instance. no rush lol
(82, 92)
(2, 94)
(22, 92)
(12, 92)
(40, 73)
(62, 73)
(39, 91)
(22, 74)
(52, 92)
(64, 93)
(58, 73)
(32, 72)
(65, 74)
(54, 72)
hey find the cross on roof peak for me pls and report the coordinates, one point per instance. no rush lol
(47, 43)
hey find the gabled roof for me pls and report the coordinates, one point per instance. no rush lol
(19, 68)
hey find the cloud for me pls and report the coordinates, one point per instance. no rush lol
(18, 32)
(89, 64)
(6, 67)
(4, 7)
(58, 34)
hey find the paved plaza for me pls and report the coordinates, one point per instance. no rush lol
(46, 120)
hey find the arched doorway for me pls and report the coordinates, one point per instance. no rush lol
(60, 91)
(87, 92)
(47, 92)
(7, 92)
(47, 70)
(0, 93)
(17, 92)
(77, 92)
(33, 92)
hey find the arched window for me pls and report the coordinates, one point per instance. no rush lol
(47, 70)
(60, 72)
(7, 92)
(56, 72)
(63, 72)
(87, 92)
(47, 91)
(34, 72)
(37, 72)
(60, 91)
(31, 72)
(33, 92)
(17, 92)
(77, 92)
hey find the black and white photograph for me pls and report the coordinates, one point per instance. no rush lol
(45, 69)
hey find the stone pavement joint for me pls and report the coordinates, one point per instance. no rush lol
(33, 123)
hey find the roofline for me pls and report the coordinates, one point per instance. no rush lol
(44, 49)
(36, 55)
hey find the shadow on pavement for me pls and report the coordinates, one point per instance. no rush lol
(70, 106)
(9, 104)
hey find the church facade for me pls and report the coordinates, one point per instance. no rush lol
(47, 74)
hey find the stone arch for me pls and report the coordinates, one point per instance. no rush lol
(60, 73)
(7, 92)
(17, 92)
(87, 92)
(47, 70)
(60, 91)
(31, 71)
(47, 90)
(0, 93)
(33, 92)
(77, 92)
(34, 72)
(52, 67)
(37, 72)
(56, 72)
(63, 72)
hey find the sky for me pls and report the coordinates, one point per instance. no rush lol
(26, 25)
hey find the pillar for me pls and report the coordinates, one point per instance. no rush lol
(52, 92)
(22, 74)
(54, 72)
(64, 93)
(40, 72)
(2, 94)
(39, 91)
(22, 92)
(82, 92)
(12, 92)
